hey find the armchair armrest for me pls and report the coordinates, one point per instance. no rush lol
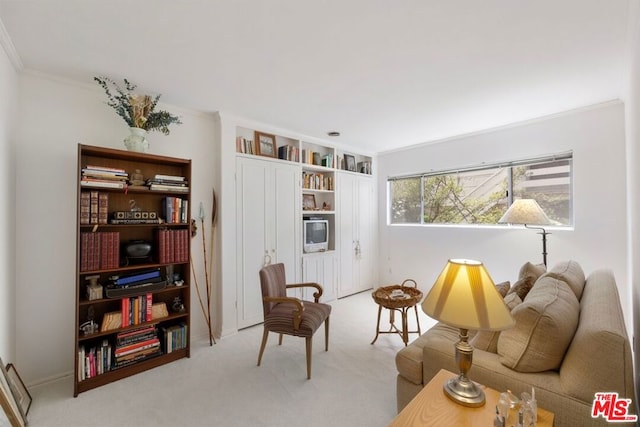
(297, 313)
(318, 287)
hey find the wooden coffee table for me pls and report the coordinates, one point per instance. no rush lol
(411, 296)
(431, 407)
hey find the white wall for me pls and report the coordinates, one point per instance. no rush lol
(632, 121)
(54, 116)
(597, 137)
(8, 101)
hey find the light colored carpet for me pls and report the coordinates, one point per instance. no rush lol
(353, 384)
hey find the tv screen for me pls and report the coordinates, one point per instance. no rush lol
(316, 235)
(316, 232)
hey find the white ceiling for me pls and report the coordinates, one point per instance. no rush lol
(384, 73)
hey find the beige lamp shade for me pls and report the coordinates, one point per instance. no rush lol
(525, 211)
(464, 296)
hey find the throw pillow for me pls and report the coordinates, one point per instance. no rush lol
(545, 325)
(523, 286)
(503, 288)
(529, 269)
(488, 340)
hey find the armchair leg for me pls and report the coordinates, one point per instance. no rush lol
(326, 334)
(265, 334)
(309, 342)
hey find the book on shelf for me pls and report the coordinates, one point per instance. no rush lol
(104, 168)
(168, 187)
(100, 183)
(85, 208)
(172, 178)
(120, 280)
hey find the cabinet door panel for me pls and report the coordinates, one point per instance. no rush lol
(346, 215)
(365, 215)
(286, 234)
(251, 186)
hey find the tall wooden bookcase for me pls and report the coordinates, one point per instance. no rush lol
(118, 256)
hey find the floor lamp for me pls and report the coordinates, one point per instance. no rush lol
(464, 296)
(528, 212)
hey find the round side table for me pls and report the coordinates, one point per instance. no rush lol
(399, 298)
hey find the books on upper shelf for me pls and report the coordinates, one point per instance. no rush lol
(173, 183)
(288, 152)
(245, 145)
(103, 177)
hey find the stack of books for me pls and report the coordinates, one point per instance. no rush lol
(136, 345)
(173, 183)
(245, 145)
(103, 177)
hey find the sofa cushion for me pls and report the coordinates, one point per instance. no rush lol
(409, 359)
(571, 273)
(545, 324)
(488, 340)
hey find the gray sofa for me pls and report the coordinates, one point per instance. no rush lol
(566, 363)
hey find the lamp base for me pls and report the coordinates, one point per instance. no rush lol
(464, 392)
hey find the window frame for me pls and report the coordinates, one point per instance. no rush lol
(568, 156)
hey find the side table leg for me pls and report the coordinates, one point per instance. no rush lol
(378, 325)
(405, 333)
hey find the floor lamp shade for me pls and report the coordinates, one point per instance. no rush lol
(528, 212)
(464, 296)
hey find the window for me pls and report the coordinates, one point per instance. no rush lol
(481, 195)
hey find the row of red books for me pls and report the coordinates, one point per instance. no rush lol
(99, 251)
(173, 246)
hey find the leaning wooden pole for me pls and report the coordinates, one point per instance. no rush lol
(214, 212)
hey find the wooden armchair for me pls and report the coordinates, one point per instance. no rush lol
(286, 315)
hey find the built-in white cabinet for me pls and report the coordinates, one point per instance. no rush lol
(321, 268)
(356, 230)
(268, 210)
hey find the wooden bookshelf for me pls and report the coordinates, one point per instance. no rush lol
(110, 259)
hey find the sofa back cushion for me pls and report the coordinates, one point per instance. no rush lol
(599, 357)
(545, 324)
(488, 340)
(571, 273)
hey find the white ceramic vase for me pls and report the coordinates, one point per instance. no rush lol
(136, 141)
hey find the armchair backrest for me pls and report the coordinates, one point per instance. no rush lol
(273, 284)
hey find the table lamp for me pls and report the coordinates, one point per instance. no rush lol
(464, 296)
(527, 212)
